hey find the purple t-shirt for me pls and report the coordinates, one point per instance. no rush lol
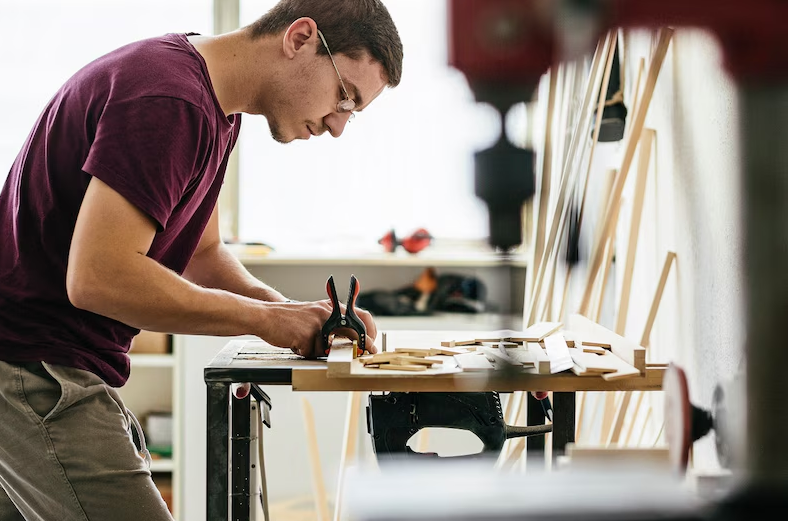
(145, 120)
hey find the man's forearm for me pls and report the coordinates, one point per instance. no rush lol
(217, 267)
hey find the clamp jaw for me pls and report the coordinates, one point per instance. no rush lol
(347, 321)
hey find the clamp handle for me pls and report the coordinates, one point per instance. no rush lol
(339, 320)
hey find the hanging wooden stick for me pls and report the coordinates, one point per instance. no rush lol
(644, 160)
(581, 398)
(611, 47)
(641, 394)
(635, 94)
(652, 315)
(645, 424)
(547, 161)
(592, 86)
(637, 127)
(318, 484)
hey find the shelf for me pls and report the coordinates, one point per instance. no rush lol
(472, 259)
(146, 360)
(162, 465)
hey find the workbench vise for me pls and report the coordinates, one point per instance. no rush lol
(393, 418)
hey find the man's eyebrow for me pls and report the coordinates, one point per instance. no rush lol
(356, 95)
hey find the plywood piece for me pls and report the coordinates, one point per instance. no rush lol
(594, 363)
(537, 332)
(558, 353)
(473, 362)
(541, 360)
(416, 360)
(592, 349)
(629, 351)
(499, 335)
(596, 343)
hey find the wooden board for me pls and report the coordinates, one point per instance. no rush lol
(593, 363)
(558, 353)
(473, 362)
(496, 356)
(629, 351)
(592, 349)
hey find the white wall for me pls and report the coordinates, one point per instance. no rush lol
(693, 206)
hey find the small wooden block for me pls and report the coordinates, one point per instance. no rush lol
(473, 362)
(450, 352)
(541, 360)
(596, 343)
(415, 360)
(415, 351)
(454, 343)
(592, 349)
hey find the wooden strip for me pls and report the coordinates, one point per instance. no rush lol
(644, 161)
(634, 417)
(603, 282)
(608, 226)
(318, 483)
(340, 359)
(593, 349)
(455, 343)
(652, 315)
(402, 367)
(645, 424)
(579, 136)
(609, 409)
(636, 94)
(546, 177)
(596, 343)
(618, 419)
(536, 333)
(416, 360)
(349, 444)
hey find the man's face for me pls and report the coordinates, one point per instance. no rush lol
(307, 103)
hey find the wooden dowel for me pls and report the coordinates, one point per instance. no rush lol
(594, 80)
(645, 426)
(644, 161)
(635, 94)
(348, 448)
(652, 315)
(637, 126)
(628, 437)
(318, 484)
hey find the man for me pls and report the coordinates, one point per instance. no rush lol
(109, 225)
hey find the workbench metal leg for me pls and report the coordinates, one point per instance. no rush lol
(240, 462)
(563, 423)
(535, 416)
(217, 442)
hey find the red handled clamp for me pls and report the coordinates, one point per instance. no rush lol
(348, 320)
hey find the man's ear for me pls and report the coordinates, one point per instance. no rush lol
(300, 33)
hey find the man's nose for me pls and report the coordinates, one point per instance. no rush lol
(336, 122)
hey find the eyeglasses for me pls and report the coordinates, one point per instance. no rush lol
(347, 104)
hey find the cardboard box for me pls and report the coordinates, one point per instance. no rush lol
(147, 342)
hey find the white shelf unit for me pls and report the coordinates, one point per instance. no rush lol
(151, 388)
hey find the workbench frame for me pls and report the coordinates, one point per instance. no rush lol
(228, 419)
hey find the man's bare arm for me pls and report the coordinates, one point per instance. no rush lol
(213, 265)
(110, 274)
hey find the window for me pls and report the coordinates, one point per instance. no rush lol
(406, 162)
(46, 41)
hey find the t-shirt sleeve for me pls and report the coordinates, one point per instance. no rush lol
(150, 150)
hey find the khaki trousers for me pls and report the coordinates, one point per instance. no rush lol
(67, 452)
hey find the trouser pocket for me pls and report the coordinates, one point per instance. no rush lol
(42, 392)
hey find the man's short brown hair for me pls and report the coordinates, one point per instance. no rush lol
(350, 27)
